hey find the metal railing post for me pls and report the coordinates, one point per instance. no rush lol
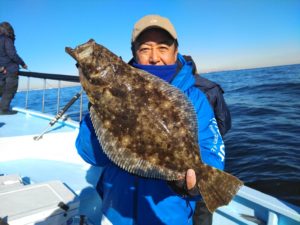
(58, 97)
(80, 106)
(44, 91)
(27, 92)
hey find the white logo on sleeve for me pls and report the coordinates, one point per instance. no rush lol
(218, 144)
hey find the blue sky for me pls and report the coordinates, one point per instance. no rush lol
(219, 35)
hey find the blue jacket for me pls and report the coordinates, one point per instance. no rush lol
(8, 55)
(129, 199)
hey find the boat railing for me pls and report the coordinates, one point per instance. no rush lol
(45, 77)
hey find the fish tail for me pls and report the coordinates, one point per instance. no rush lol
(218, 187)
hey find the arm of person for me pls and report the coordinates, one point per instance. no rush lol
(87, 144)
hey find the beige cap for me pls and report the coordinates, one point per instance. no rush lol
(151, 21)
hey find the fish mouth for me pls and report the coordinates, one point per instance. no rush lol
(80, 51)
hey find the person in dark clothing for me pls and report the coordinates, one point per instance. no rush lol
(9, 62)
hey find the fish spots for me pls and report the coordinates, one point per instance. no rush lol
(107, 95)
(107, 124)
(182, 132)
(165, 105)
(153, 159)
(148, 87)
(126, 140)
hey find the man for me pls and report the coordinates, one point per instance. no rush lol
(127, 198)
(9, 62)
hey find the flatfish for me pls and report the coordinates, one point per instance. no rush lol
(145, 125)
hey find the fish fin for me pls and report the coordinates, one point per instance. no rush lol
(218, 188)
(124, 158)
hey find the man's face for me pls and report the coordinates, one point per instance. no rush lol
(155, 47)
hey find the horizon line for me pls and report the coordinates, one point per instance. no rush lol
(247, 68)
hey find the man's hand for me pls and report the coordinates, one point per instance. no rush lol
(25, 66)
(2, 70)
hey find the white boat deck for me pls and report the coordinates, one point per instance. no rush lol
(54, 157)
(30, 123)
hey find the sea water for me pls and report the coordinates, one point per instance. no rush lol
(263, 145)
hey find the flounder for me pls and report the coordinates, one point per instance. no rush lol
(145, 125)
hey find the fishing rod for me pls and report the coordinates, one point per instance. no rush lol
(59, 115)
